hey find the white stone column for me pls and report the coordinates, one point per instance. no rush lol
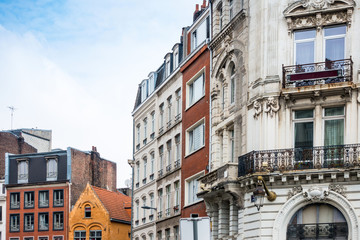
(223, 219)
(214, 222)
(233, 218)
(225, 143)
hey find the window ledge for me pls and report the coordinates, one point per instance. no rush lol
(187, 108)
(189, 154)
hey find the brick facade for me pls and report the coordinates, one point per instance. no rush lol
(10, 143)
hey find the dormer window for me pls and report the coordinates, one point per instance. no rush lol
(176, 59)
(51, 169)
(87, 211)
(167, 68)
(144, 92)
(151, 83)
(23, 171)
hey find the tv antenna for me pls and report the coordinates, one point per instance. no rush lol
(12, 109)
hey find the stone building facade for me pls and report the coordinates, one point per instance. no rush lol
(295, 119)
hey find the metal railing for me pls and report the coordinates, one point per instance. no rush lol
(29, 204)
(43, 203)
(14, 204)
(339, 156)
(160, 173)
(177, 164)
(29, 227)
(317, 73)
(317, 231)
(168, 168)
(58, 202)
(43, 226)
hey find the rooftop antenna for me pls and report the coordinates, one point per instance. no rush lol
(12, 109)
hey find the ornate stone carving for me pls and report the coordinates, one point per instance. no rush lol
(271, 106)
(315, 194)
(294, 191)
(340, 189)
(317, 4)
(257, 109)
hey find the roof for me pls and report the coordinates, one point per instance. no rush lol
(115, 203)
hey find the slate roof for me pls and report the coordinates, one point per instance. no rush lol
(115, 203)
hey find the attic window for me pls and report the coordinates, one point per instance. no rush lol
(87, 211)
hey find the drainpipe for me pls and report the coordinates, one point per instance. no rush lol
(131, 163)
(210, 105)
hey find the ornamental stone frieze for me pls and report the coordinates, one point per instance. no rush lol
(257, 109)
(318, 13)
(271, 106)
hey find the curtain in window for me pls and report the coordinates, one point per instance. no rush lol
(334, 132)
(304, 134)
(304, 52)
(335, 49)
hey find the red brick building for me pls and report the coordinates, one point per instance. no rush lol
(195, 122)
(43, 187)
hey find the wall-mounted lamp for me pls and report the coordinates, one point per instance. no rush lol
(259, 193)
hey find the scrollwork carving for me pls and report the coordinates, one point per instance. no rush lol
(294, 191)
(340, 189)
(271, 106)
(257, 109)
(317, 4)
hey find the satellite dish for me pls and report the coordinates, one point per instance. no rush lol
(128, 183)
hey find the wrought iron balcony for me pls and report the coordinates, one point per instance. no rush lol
(151, 217)
(138, 147)
(14, 205)
(151, 176)
(168, 168)
(145, 141)
(160, 173)
(58, 225)
(178, 117)
(317, 73)
(161, 130)
(29, 227)
(159, 214)
(341, 156)
(29, 204)
(176, 209)
(143, 220)
(144, 181)
(169, 123)
(43, 203)
(14, 227)
(177, 164)
(317, 231)
(59, 202)
(152, 136)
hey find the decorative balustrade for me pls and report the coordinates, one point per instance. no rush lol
(177, 164)
(341, 156)
(317, 231)
(317, 73)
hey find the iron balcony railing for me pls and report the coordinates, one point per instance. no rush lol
(58, 225)
(317, 231)
(317, 73)
(168, 168)
(339, 156)
(43, 203)
(29, 204)
(177, 164)
(43, 226)
(14, 205)
(59, 202)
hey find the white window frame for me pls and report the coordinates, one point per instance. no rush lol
(333, 37)
(145, 166)
(23, 170)
(189, 135)
(303, 120)
(145, 128)
(189, 186)
(51, 176)
(305, 40)
(152, 160)
(335, 117)
(190, 100)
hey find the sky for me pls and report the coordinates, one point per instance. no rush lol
(73, 67)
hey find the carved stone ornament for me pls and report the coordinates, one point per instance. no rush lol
(317, 4)
(257, 109)
(340, 189)
(294, 191)
(271, 106)
(315, 194)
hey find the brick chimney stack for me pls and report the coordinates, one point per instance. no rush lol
(203, 6)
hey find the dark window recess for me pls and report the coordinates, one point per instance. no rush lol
(58, 198)
(88, 212)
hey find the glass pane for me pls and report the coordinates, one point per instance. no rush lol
(336, 30)
(334, 132)
(305, 34)
(304, 52)
(335, 49)
(304, 134)
(304, 114)
(336, 111)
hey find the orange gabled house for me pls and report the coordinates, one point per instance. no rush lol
(100, 214)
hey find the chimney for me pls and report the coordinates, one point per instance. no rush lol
(196, 13)
(203, 6)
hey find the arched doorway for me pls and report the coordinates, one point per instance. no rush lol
(317, 221)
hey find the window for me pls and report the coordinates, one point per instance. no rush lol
(145, 128)
(152, 203)
(79, 235)
(199, 35)
(87, 211)
(178, 148)
(138, 133)
(196, 89)
(14, 200)
(231, 9)
(304, 128)
(167, 234)
(28, 238)
(144, 204)
(14, 222)
(152, 160)
(43, 221)
(232, 85)
(28, 222)
(51, 169)
(43, 199)
(192, 185)
(167, 68)
(58, 237)
(151, 83)
(0, 213)
(176, 233)
(153, 122)
(168, 146)
(334, 38)
(168, 196)
(28, 199)
(137, 210)
(161, 109)
(145, 166)
(95, 234)
(177, 195)
(221, 17)
(43, 238)
(178, 102)
(58, 198)
(196, 138)
(169, 110)
(232, 145)
(161, 153)
(23, 171)
(176, 60)
(159, 233)
(334, 126)
(58, 220)
(160, 207)
(137, 172)
(304, 46)
(144, 90)
(223, 97)
(151, 236)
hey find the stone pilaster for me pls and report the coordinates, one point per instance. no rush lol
(223, 219)
(233, 218)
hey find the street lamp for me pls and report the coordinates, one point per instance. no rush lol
(259, 193)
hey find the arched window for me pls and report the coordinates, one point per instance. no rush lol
(87, 211)
(232, 85)
(317, 221)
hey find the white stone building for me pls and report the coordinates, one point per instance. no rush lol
(295, 115)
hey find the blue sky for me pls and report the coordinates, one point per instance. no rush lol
(74, 66)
